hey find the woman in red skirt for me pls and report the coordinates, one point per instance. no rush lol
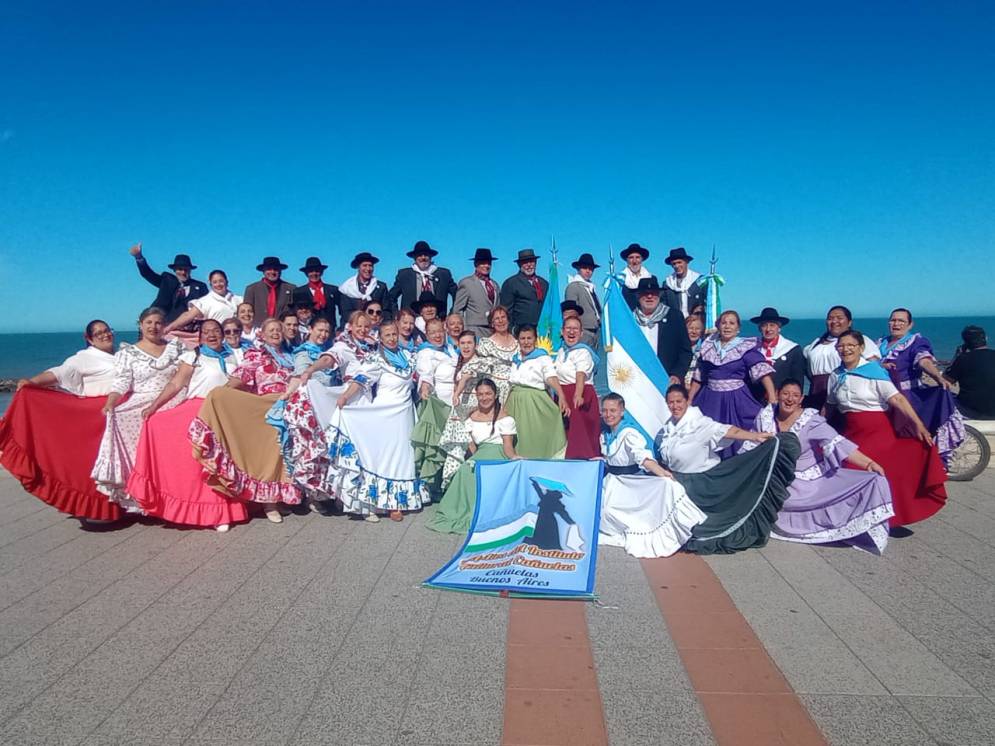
(60, 407)
(863, 393)
(575, 364)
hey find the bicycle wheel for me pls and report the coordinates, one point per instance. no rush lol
(971, 457)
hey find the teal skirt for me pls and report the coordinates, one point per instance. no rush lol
(429, 457)
(455, 512)
(539, 423)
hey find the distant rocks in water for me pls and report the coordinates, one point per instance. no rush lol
(7, 384)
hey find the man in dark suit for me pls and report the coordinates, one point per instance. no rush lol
(361, 288)
(176, 288)
(664, 329)
(782, 353)
(271, 297)
(523, 293)
(421, 277)
(681, 289)
(321, 297)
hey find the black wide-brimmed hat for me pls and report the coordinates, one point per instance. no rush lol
(648, 285)
(770, 314)
(422, 247)
(428, 299)
(363, 256)
(308, 304)
(182, 261)
(271, 262)
(586, 260)
(313, 264)
(526, 255)
(634, 248)
(571, 305)
(483, 256)
(678, 253)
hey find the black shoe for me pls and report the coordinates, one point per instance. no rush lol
(900, 532)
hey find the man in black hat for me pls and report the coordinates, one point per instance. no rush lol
(361, 288)
(420, 278)
(272, 296)
(318, 295)
(523, 293)
(784, 355)
(176, 288)
(581, 290)
(664, 329)
(634, 271)
(426, 308)
(681, 289)
(477, 294)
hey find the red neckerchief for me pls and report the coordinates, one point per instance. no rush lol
(489, 286)
(271, 298)
(534, 281)
(318, 292)
(768, 347)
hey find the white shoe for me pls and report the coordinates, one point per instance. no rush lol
(372, 518)
(222, 528)
(273, 516)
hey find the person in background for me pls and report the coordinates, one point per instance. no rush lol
(246, 316)
(680, 288)
(176, 289)
(271, 296)
(362, 288)
(477, 294)
(454, 327)
(907, 355)
(695, 325)
(435, 364)
(375, 312)
(634, 272)
(407, 331)
(863, 392)
(821, 357)
(219, 304)
(664, 329)
(498, 348)
(63, 405)
(422, 277)
(575, 365)
(428, 307)
(291, 330)
(973, 370)
(782, 354)
(304, 312)
(523, 293)
(571, 309)
(581, 291)
(322, 297)
(231, 330)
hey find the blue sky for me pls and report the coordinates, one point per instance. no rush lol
(834, 153)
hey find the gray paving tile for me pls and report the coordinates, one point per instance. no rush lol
(847, 720)
(954, 721)
(945, 539)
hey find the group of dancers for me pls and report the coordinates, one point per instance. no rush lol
(383, 417)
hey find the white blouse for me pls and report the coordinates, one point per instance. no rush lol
(481, 432)
(533, 373)
(692, 444)
(89, 372)
(823, 358)
(214, 306)
(567, 367)
(858, 394)
(627, 449)
(207, 373)
(438, 370)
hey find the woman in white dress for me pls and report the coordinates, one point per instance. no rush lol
(648, 514)
(821, 357)
(498, 349)
(141, 370)
(219, 304)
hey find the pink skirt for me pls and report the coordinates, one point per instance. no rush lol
(167, 482)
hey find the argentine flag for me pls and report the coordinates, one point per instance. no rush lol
(634, 371)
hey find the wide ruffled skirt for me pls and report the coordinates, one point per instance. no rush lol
(454, 513)
(239, 451)
(647, 515)
(937, 408)
(49, 441)
(539, 423)
(914, 470)
(167, 482)
(741, 496)
(737, 407)
(583, 426)
(426, 437)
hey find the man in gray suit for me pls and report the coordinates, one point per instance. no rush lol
(581, 291)
(477, 294)
(272, 296)
(523, 293)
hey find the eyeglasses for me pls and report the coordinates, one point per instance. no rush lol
(374, 312)
(108, 332)
(232, 332)
(847, 347)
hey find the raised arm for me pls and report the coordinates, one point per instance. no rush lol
(150, 275)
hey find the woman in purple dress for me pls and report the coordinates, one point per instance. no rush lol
(726, 363)
(826, 503)
(907, 355)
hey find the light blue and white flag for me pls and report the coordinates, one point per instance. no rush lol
(634, 370)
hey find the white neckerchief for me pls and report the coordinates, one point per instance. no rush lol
(350, 288)
(425, 273)
(589, 286)
(631, 280)
(681, 287)
(783, 346)
(692, 420)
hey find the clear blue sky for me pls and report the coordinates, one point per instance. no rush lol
(835, 153)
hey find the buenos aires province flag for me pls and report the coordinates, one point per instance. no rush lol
(634, 371)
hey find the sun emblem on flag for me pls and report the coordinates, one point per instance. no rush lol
(620, 374)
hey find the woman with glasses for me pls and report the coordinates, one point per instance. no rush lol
(821, 357)
(166, 480)
(231, 331)
(63, 405)
(907, 356)
(374, 310)
(141, 372)
(864, 394)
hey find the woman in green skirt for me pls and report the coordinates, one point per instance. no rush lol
(436, 365)
(492, 438)
(537, 417)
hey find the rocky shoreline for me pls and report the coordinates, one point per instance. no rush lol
(7, 384)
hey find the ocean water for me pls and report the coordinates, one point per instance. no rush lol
(23, 355)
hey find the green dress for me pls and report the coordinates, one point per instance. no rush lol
(539, 423)
(429, 455)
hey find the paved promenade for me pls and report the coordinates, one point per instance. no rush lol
(317, 631)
